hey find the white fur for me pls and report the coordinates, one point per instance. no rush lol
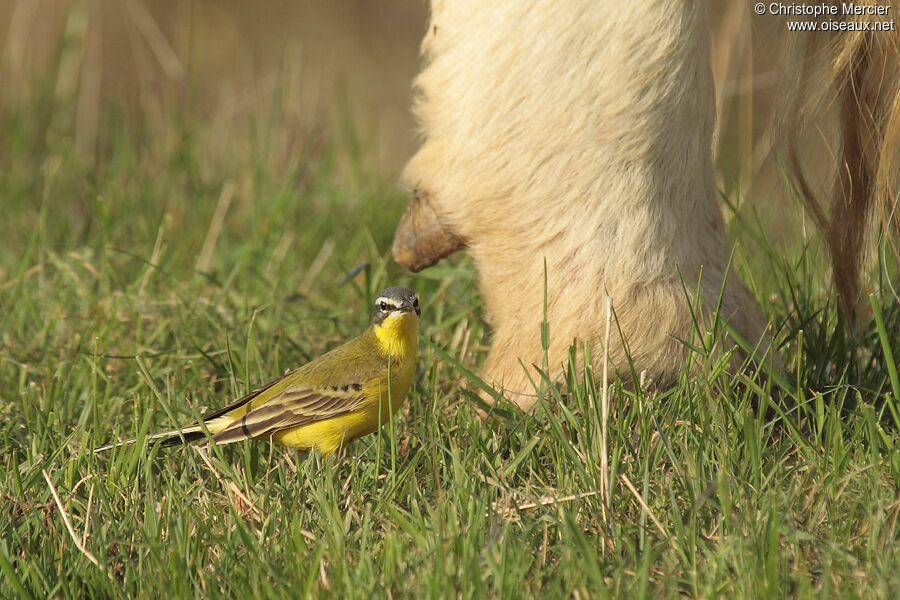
(580, 133)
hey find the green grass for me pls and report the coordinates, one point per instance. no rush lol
(109, 330)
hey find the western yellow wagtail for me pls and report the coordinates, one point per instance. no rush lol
(325, 404)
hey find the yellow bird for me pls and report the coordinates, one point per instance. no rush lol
(325, 404)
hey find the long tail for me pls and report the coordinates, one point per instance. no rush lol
(215, 422)
(861, 77)
(176, 437)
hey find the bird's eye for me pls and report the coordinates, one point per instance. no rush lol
(383, 305)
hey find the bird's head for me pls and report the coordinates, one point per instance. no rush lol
(395, 314)
(395, 303)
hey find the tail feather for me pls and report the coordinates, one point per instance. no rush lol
(182, 437)
(214, 422)
(174, 437)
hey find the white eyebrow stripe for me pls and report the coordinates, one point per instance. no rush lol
(390, 301)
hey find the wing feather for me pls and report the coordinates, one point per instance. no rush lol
(291, 408)
(194, 432)
(244, 400)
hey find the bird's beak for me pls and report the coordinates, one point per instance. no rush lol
(408, 306)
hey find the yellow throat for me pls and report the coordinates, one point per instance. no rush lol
(396, 337)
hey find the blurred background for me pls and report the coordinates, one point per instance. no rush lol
(223, 64)
(289, 71)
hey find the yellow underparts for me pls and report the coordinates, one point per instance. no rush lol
(396, 340)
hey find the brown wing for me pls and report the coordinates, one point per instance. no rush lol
(293, 407)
